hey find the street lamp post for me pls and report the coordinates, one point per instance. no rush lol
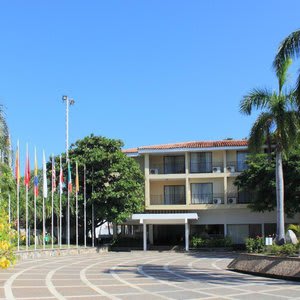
(68, 101)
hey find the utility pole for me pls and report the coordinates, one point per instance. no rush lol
(69, 102)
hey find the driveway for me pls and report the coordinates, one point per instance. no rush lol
(138, 275)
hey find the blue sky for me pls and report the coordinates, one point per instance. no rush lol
(146, 72)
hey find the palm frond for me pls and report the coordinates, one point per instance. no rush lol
(288, 48)
(259, 131)
(297, 93)
(282, 73)
(256, 99)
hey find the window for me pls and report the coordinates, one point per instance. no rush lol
(174, 164)
(201, 162)
(202, 193)
(241, 161)
(174, 194)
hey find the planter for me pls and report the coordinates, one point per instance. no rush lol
(269, 266)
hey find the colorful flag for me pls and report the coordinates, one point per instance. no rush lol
(45, 187)
(36, 179)
(77, 179)
(61, 177)
(27, 170)
(53, 175)
(17, 164)
(69, 178)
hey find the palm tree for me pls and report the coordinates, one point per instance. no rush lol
(4, 136)
(278, 122)
(289, 48)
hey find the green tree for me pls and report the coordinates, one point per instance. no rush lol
(259, 179)
(289, 48)
(114, 182)
(278, 122)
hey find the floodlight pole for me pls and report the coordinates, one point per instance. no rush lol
(69, 101)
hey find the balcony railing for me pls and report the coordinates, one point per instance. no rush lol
(207, 199)
(207, 167)
(166, 169)
(236, 166)
(239, 198)
(167, 200)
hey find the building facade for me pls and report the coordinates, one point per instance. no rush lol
(189, 190)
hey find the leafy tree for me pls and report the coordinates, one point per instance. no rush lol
(278, 121)
(259, 178)
(288, 48)
(114, 182)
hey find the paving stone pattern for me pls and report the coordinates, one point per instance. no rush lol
(138, 275)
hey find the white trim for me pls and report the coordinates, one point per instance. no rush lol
(144, 151)
(176, 218)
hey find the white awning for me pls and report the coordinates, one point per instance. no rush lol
(165, 218)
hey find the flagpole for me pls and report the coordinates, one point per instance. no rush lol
(68, 212)
(84, 195)
(34, 193)
(18, 192)
(60, 206)
(93, 229)
(45, 194)
(76, 189)
(52, 195)
(26, 204)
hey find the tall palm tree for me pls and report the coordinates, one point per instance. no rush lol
(289, 48)
(278, 121)
(4, 136)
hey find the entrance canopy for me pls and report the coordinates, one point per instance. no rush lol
(165, 218)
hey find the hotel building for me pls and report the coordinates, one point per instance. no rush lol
(189, 190)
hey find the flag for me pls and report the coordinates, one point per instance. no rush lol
(77, 180)
(45, 187)
(69, 178)
(61, 177)
(17, 164)
(53, 175)
(27, 170)
(36, 179)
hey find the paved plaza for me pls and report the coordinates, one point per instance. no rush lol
(138, 275)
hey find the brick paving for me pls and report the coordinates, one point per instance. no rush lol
(138, 275)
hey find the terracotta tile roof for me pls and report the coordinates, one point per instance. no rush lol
(199, 144)
(195, 144)
(131, 150)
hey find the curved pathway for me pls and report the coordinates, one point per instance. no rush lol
(138, 275)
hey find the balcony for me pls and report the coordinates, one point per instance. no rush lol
(167, 169)
(239, 197)
(167, 200)
(236, 166)
(207, 199)
(207, 167)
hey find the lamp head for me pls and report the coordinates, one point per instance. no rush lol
(64, 98)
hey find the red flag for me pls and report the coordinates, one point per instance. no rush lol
(27, 171)
(53, 175)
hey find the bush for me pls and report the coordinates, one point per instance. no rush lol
(255, 245)
(198, 242)
(284, 250)
(7, 256)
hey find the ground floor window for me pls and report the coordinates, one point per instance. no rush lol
(207, 231)
(240, 232)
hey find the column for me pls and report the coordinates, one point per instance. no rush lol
(263, 229)
(151, 234)
(187, 233)
(147, 181)
(225, 230)
(145, 236)
(225, 176)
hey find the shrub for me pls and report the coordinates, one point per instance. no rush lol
(288, 249)
(7, 256)
(274, 249)
(198, 242)
(255, 245)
